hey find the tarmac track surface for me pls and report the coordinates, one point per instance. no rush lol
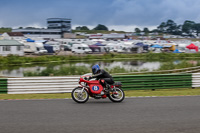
(133, 115)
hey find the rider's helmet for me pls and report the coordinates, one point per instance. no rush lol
(95, 69)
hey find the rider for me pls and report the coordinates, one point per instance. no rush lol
(100, 74)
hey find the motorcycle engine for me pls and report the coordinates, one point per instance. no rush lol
(98, 96)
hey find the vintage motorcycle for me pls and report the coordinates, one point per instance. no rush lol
(94, 88)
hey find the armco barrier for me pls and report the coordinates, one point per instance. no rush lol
(3, 86)
(196, 80)
(29, 85)
(157, 81)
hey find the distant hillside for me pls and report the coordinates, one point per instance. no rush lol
(2, 30)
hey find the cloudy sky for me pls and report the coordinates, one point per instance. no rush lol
(115, 14)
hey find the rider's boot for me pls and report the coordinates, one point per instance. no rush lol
(107, 87)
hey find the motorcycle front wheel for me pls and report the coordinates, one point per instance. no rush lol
(80, 95)
(116, 95)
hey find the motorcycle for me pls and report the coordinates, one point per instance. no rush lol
(94, 88)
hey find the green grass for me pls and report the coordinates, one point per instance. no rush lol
(35, 96)
(130, 93)
(18, 60)
(164, 92)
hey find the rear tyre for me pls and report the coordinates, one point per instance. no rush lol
(117, 95)
(79, 95)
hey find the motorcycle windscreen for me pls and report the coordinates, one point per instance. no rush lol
(96, 88)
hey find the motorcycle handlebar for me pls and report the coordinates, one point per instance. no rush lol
(87, 78)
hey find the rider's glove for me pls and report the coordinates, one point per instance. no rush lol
(89, 78)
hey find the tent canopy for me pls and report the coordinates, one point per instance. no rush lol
(94, 48)
(140, 44)
(192, 46)
(156, 46)
(176, 51)
(30, 40)
(48, 48)
(99, 44)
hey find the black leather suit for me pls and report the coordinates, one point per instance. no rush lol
(102, 74)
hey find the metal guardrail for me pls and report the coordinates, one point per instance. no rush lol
(3, 85)
(41, 85)
(195, 80)
(28, 85)
(157, 81)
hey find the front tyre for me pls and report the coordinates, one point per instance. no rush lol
(79, 95)
(116, 95)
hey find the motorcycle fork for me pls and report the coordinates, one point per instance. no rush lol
(85, 88)
(82, 89)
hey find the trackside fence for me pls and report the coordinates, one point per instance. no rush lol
(195, 80)
(3, 86)
(28, 85)
(157, 81)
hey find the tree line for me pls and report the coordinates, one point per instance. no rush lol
(188, 28)
(4, 29)
(98, 27)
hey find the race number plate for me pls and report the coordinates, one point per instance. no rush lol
(95, 88)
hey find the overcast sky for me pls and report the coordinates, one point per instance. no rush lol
(115, 14)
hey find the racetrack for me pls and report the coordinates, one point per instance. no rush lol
(133, 115)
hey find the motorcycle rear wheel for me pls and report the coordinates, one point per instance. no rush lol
(117, 95)
(79, 96)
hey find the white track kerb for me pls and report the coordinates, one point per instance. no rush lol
(31, 85)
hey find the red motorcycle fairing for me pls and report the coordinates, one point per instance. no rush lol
(95, 87)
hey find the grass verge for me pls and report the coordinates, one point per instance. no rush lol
(130, 93)
(164, 92)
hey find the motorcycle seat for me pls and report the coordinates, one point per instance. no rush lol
(117, 83)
